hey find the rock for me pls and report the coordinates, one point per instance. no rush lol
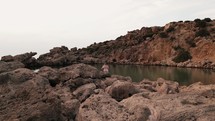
(17, 76)
(9, 66)
(120, 90)
(51, 74)
(78, 70)
(27, 59)
(84, 91)
(103, 108)
(7, 58)
(142, 108)
(69, 104)
(58, 56)
(26, 99)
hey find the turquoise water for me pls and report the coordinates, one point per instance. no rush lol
(185, 76)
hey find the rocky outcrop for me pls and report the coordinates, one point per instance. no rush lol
(59, 56)
(82, 93)
(26, 58)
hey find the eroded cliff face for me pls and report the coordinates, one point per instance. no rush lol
(174, 43)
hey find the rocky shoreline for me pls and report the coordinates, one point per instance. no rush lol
(80, 92)
(62, 56)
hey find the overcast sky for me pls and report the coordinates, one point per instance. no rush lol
(39, 25)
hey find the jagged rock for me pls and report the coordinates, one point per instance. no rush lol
(56, 57)
(103, 108)
(26, 58)
(120, 90)
(17, 76)
(9, 66)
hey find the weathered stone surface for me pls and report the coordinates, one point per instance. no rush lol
(121, 89)
(103, 108)
(9, 66)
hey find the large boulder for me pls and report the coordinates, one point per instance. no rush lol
(84, 91)
(9, 66)
(27, 99)
(120, 90)
(103, 108)
(17, 76)
(78, 70)
(51, 74)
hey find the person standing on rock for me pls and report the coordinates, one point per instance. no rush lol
(105, 68)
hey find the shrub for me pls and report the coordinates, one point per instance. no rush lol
(182, 56)
(187, 21)
(202, 33)
(163, 35)
(197, 20)
(207, 20)
(200, 24)
(170, 29)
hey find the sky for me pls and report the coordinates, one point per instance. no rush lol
(39, 25)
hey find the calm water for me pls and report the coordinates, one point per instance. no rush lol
(184, 76)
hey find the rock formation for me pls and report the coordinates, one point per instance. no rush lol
(79, 92)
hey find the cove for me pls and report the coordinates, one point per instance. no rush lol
(185, 76)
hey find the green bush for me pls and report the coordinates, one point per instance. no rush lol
(200, 24)
(207, 20)
(197, 20)
(202, 33)
(170, 29)
(182, 56)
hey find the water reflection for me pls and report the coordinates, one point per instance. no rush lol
(184, 76)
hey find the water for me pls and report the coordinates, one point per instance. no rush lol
(185, 76)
